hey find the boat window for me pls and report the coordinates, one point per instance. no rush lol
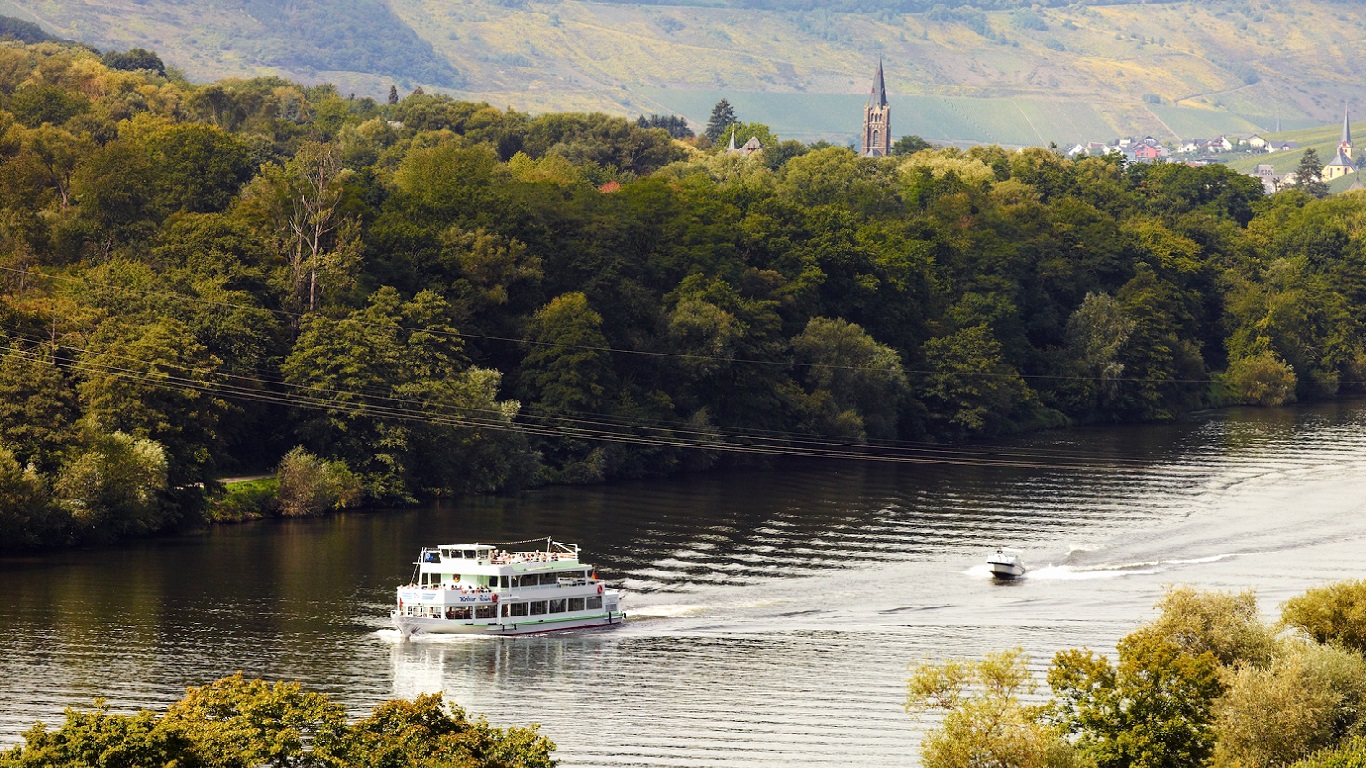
(576, 603)
(538, 608)
(557, 606)
(595, 602)
(462, 613)
(503, 582)
(486, 612)
(518, 609)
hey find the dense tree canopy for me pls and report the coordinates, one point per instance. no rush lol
(437, 296)
(240, 723)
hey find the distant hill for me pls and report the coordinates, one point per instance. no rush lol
(985, 71)
(25, 31)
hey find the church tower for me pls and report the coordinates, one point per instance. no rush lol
(877, 119)
(1345, 147)
(1343, 163)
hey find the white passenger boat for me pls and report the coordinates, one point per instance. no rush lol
(1005, 563)
(481, 589)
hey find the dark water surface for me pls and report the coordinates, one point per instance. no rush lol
(772, 614)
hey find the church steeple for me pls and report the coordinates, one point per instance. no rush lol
(878, 97)
(1345, 147)
(877, 118)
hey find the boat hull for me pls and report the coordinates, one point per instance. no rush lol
(408, 626)
(1006, 571)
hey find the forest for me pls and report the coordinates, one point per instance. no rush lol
(387, 302)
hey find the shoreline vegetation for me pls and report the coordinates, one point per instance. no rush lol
(240, 722)
(426, 297)
(1207, 682)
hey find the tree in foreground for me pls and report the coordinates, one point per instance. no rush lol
(239, 723)
(985, 724)
(1155, 707)
(1335, 614)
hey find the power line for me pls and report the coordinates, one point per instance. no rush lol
(613, 350)
(423, 414)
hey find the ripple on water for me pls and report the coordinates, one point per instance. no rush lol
(773, 614)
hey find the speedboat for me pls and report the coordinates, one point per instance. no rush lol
(484, 590)
(1005, 563)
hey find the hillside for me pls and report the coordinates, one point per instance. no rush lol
(1010, 76)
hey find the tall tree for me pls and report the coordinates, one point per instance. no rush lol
(722, 117)
(1309, 174)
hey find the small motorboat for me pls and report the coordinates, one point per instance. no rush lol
(1005, 563)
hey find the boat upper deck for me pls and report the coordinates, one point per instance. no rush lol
(489, 559)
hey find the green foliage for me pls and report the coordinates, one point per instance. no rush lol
(1155, 707)
(133, 60)
(1151, 710)
(743, 132)
(240, 723)
(856, 387)
(1333, 614)
(909, 145)
(110, 486)
(308, 485)
(1351, 754)
(1308, 176)
(1225, 624)
(1261, 379)
(985, 724)
(395, 359)
(426, 731)
(25, 31)
(34, 105)
(244, 500)
(722, 117)
(1308, 698)
(233, 269)
(969, 387)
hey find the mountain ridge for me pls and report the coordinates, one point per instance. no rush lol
(1174, 69)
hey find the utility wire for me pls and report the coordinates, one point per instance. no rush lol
(424, 415)
(612, 350)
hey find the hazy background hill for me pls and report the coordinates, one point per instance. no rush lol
(997, 71)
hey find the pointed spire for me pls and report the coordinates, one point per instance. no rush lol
(732, 147)
(1346, 125)
(878, 97)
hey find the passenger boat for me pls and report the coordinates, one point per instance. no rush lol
(1005, 563)
(484, 590)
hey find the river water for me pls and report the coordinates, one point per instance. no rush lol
(772, 613)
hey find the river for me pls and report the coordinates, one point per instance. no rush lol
(772, 613)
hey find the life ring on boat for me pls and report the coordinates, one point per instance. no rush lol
(599, 589)
(494, 597)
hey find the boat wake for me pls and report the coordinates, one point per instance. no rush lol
(1070, 570)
